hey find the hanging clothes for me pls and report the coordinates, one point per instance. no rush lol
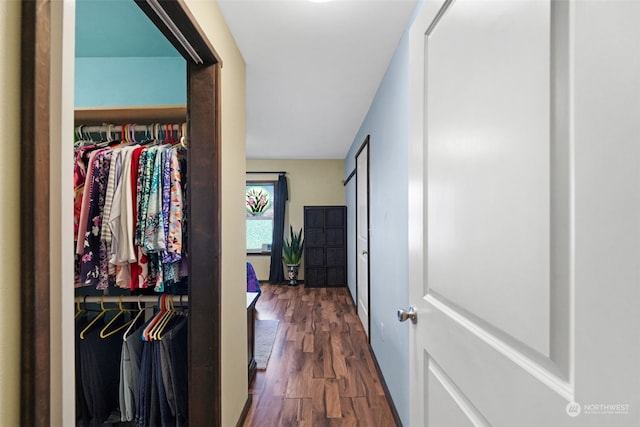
(131, 377)
(94, 268)
(99, 376)
(163, 387)
(129, 216)
(130, 374)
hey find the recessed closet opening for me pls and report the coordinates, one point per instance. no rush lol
(121, 106)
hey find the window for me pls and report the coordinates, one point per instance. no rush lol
(259, 198)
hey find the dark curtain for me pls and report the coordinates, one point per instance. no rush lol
(276, 270)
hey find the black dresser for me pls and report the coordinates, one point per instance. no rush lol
(325, 246)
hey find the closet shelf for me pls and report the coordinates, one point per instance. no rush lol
(130, 298)
(138, 114)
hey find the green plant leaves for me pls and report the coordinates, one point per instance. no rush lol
(292, 247)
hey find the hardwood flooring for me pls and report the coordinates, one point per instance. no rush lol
(320, 372)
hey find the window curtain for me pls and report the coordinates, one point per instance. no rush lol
(276, 270)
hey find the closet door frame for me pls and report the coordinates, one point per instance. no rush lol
(203, 116)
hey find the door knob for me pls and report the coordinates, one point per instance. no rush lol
(411, 314)
(365, 252)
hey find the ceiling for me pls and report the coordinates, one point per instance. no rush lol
(312, 67)
(312, 70)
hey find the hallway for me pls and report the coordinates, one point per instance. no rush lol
(320, 372)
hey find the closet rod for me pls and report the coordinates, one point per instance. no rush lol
(118, 128)
(129, 298)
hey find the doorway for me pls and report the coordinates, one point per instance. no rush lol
(37, 167)
(362, 234)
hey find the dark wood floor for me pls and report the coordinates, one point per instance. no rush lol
(320, 372)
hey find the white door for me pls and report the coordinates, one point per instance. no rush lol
(524, 228)
(362, 241)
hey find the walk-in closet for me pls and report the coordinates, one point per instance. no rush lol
(131, 271)
(146, 244)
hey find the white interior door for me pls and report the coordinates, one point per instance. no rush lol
(362, 241)
(503, 213)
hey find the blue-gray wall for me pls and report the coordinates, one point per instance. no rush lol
(130, 81)
(387, 124)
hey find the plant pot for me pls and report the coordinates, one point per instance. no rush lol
(292, 274)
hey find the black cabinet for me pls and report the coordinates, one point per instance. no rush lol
(325, 246)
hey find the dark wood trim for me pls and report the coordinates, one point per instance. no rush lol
(261, 181)
(268, 172)
(187, 24)
(35, 369)
(205, 246)
(245, 410)
(364, 144)
(394, 410)
(355, 169)
(300, 282)
(351, 175)
(258, 253)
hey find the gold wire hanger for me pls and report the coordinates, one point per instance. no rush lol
(101, 314)
(79, 309)
(121, 312)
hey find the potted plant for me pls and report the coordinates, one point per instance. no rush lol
(292, 253)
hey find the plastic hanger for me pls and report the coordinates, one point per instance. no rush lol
(170, 133)
(82, 138)
(153, 132)
(132, 138)
(141, 310)
(107, 139)
(163, 133)
(153, 332)
(156, 133)
(160, 329)
(78, 134)
(147, 329)
(121, 312)
(109, 132)
(147, 133)
(183, 135)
